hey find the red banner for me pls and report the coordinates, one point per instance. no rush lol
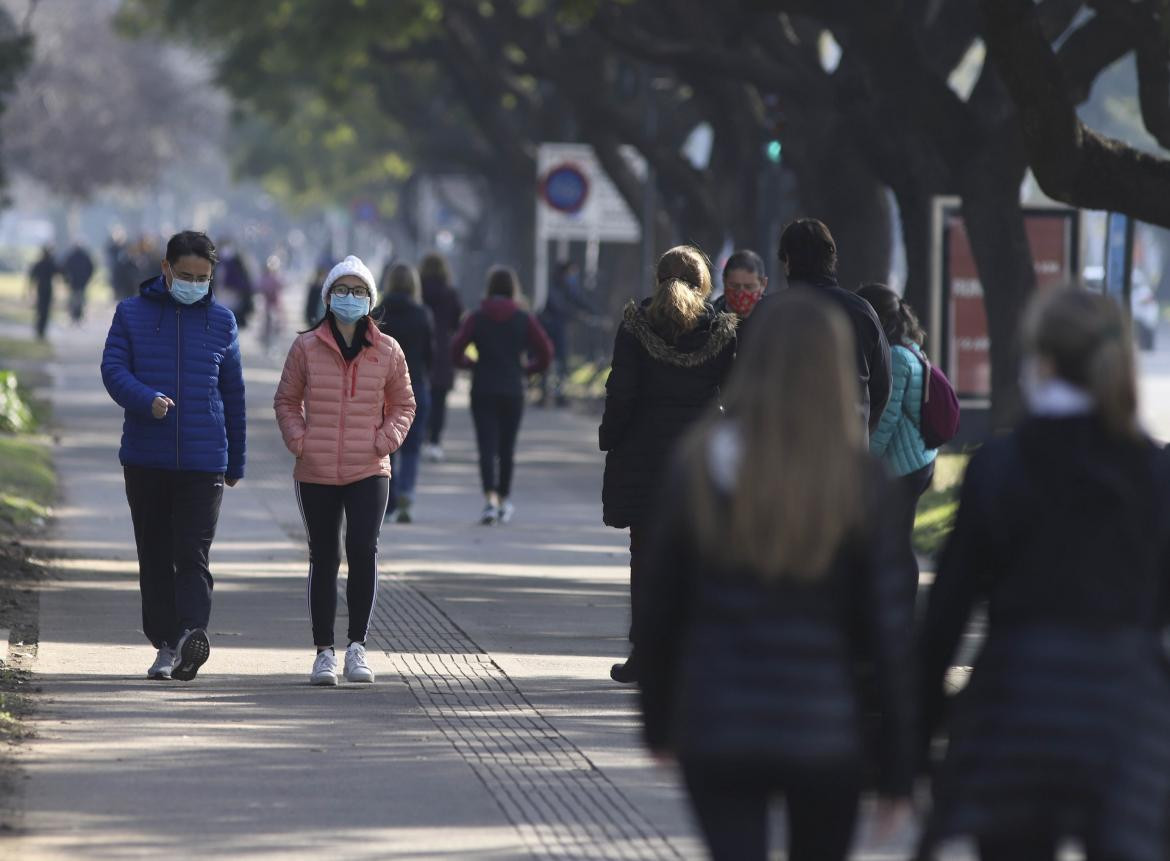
(1051, 235)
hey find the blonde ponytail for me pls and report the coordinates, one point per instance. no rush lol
(681, 291)
(1085, 337)
(1111, 382)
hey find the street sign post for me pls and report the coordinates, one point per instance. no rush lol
(577, 201)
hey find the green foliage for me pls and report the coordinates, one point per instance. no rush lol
(936, 509)
(316, 97)
(15, 415)
(27, 481)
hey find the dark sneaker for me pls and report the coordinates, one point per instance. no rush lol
(624, 674)
(404, 515)
(163, 664)
(193, 651)
(489, 516)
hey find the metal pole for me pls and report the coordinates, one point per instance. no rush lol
(1127, 271)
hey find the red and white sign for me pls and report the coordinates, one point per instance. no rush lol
(1052, 238)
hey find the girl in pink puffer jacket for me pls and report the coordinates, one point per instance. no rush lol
(344, 403)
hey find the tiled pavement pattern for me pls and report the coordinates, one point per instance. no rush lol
(562, 805)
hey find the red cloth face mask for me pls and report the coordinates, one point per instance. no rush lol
(741, 301)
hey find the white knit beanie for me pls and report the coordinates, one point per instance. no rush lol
(351, 265)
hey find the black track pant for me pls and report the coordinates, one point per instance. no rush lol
(497, 424)
(731, 804)
(908, 490)
(322, 505)
(438, 416)
(175, 514)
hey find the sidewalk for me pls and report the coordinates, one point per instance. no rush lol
(493, 731)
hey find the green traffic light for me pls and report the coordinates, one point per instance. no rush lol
(774, 150)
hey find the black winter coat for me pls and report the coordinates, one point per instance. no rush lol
(738, 669)
(1065, 721)
(413, 327)
(654, 392)
(447, 309)
(871, 346)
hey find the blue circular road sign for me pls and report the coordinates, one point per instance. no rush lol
(565, 188)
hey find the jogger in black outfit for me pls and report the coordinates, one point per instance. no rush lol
(502, 333)
(497, 424)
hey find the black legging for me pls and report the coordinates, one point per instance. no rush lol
(731, 803)
(438, 417)
(497, 424)
(363, 503)
(908, 490)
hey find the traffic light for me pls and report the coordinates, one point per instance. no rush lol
(774, 150)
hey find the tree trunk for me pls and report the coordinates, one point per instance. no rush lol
(1003, 258)
(839, 188)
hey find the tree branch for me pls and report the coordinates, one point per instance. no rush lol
(1072, 163)
(1153, 67)
(1090, 49)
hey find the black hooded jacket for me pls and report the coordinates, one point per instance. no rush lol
(872, 348)
(656, 389)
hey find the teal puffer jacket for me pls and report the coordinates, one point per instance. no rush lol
(898, 438)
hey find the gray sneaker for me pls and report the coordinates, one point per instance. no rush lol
(193, 651)
(356, 668)
(164, 662)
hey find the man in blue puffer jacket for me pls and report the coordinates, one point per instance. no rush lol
(172, 361)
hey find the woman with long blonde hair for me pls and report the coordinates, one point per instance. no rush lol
(768, 579)
(670, 356)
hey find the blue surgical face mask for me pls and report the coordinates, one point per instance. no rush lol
(188, 292)
(349, 309)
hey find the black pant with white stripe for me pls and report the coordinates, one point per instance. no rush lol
(363, 503)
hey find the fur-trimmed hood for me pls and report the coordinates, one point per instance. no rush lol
(699, 346)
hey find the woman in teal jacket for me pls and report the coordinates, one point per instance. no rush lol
(897, 441)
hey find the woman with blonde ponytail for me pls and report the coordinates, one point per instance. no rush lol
(670, 357)
(1063, 529)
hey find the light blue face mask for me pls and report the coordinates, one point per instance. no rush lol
(188, 292)
(349, 309)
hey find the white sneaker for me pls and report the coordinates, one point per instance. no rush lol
(507, 509)
(163, 664)
(434, 453)
(324, 668)
(356, 668)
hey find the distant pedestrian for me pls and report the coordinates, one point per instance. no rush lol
(172, 361)
(447, 310)
(768, 580)
(1063, 532)
(809, 256)
(564, 304)
(314, 307)
(344, 402)
(511, 345)
(404, 318)
(897, 439)
(744, 281)
(41, 277)
(78, 270)
(234, 283)
(670, 356)
(271, 290)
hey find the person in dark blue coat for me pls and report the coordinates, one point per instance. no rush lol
(1063, 533)
(404, 317)
(771, 581)
(172, 362)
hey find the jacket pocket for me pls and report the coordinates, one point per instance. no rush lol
(381, 443)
